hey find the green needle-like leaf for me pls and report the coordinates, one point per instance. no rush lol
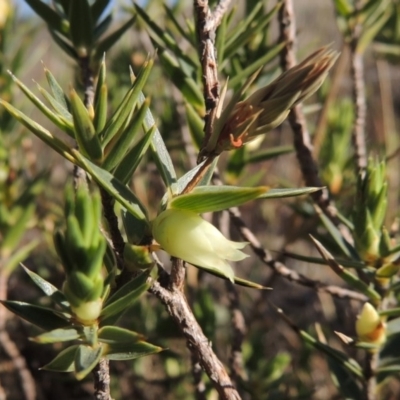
(57, 90)
(215, 198)
(64, 362)
(125, 140)
(47, 288)
(114, 187)
(130, 162)
(42, 317)
(85, 133)
(64, 122)
(104, 45)
(114, 334)
(52, 19)
(81, 27)
(125, 296)
(58, 335)
(353, 280)
(130, 351)
(86, 358)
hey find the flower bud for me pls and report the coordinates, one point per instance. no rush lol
(184, 234)
(369, 326)
(269, 106)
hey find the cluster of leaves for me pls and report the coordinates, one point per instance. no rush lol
(113, 143)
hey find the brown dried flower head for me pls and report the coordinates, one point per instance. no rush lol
(269, 106)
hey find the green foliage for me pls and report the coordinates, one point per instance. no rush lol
(133, 135)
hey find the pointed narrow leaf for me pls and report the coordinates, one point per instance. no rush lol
(57, 90)
(196, 125)
(115, 334)
(52, 19)
(58, 335)
(125, 296)
(88, 141)
(242, 26)
(42, 317)
(245, 73)
(124, 110)
(163, 36)
(105, 44)
(47, 288)
(64, 124)
(115, 188)
(98, 8)
(81, 27)
(135, 228)
(215, 198)
(344, 380)
(186, 85)
(184, 180)
(128, 165)
(288, 192)
(316, 260)
(86, 358)
(346, 247)
(125, 140)
(42, 133)
(346, 275)
(64, 45)
(64, 362)
(178, 26)
(237, 280)
(130, 351)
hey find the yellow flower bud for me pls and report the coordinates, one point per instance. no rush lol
(87, 313)
(184, 234)
(369, 326)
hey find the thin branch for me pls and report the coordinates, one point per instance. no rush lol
(284, 271)
(302, 141)
(206, 24)
(239, 330)
(360, 108)
(178, 308)
(87, 78)
(218, 14)
(101, 375)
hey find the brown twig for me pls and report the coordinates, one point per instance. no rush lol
(218, 14)
(101, 375)
(360, 108)
(284, 271)
(207, 23)
(178, 308)
(302, 141)
(239, 329)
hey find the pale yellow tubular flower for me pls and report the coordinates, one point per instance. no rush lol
(269, 106)
(184, 234)
(369, 326)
